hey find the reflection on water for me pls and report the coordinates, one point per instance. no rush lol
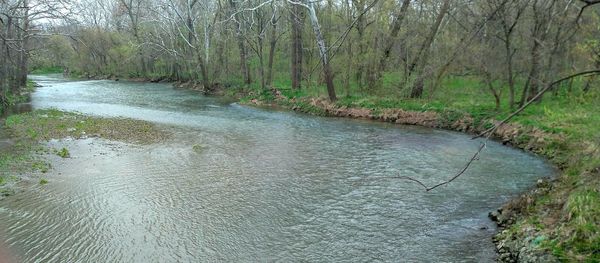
(268, 186)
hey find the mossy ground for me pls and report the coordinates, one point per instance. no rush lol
(568, 215)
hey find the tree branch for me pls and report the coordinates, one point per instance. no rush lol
(489, 132)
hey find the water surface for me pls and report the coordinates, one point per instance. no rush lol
(267, 186)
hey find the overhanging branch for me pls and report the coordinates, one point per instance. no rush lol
(489, 132)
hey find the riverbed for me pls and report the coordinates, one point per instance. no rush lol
(239, 184)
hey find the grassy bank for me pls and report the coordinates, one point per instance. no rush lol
(560, 218)
(24, 154)
(47, 70)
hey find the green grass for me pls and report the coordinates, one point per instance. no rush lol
(21, 158)
(47, 70)
(63, 153)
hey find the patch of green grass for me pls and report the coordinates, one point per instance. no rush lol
(16, 160)
(43, 181)
(41, 166)
(47, 70)
(583, 208)
(63, 153)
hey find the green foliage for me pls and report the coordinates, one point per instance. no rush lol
(64, 153)
(41, 166)
(47, 70)
(43, 181)
(584, 209)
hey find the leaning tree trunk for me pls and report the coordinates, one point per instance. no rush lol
(322, 51)
(418, 65)
(389, 44)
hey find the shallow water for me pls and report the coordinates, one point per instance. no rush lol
(267, 186)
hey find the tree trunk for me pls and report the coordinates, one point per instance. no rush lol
(534, 73)
(243, 59)
(510, 73)
(23, 53)
(390, 42)
(322, 51)
(244, 67)
(203, 70)
(360, 28)
(495, 93)
(296, 18)
(272, 49)
(420, 61)
(261, 70)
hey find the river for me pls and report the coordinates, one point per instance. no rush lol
(267, 186)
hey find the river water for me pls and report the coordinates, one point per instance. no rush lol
(268, 186)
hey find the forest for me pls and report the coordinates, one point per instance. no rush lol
(508, 49)
(481, 59)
